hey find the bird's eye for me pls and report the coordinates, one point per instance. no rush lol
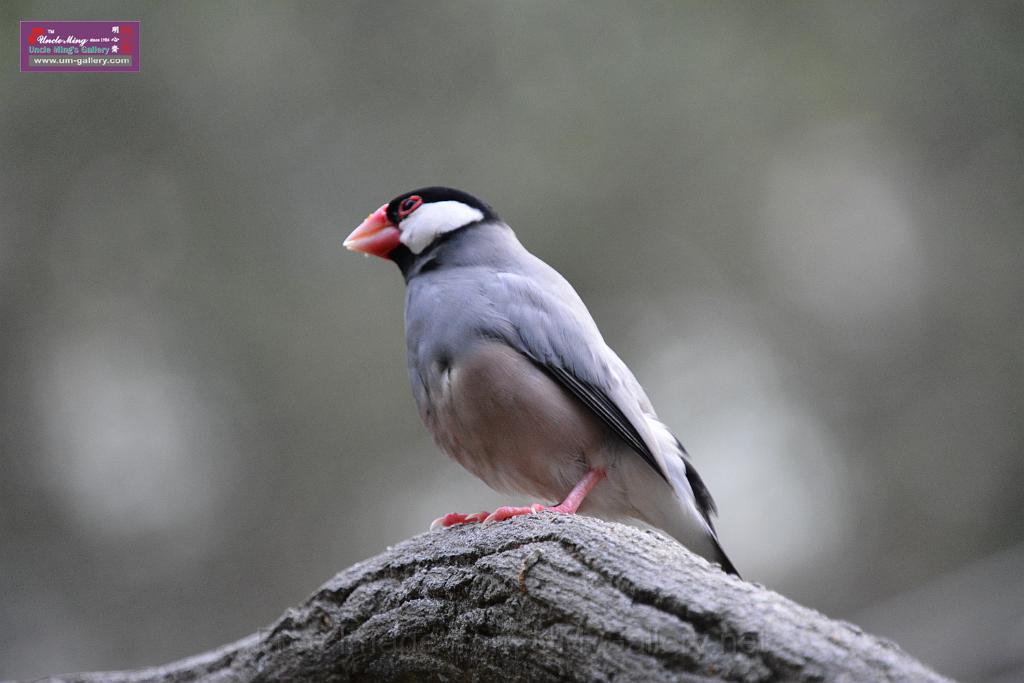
(408, 205)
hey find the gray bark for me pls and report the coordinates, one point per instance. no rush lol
(544, 598)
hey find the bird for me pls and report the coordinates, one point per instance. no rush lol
(514, 381)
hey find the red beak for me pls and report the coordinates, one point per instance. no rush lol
(376, 235)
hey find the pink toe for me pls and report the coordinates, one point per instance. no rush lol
(455, 519)
(508, 512)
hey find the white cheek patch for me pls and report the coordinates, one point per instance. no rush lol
(430, 221)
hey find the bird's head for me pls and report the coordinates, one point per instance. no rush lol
(410, 223)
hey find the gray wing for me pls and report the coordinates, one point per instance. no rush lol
(546, 321)
(601, 405)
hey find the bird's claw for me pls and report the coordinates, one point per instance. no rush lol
(456, 518)
(499, 515)
(508, 512)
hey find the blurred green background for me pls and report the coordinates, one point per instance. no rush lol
(801, 224)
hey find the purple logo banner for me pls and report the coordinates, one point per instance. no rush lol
(79, 46)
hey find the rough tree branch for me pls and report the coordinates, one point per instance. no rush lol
(538, 598)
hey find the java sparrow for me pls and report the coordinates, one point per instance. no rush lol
(515, 382)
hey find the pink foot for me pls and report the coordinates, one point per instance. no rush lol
(508, 512)
(456, 518)
(568, 506)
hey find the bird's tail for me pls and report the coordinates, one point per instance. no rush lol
(661, 506)
(723, 560)
(682, 505)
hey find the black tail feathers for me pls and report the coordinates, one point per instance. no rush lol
(722, 559)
